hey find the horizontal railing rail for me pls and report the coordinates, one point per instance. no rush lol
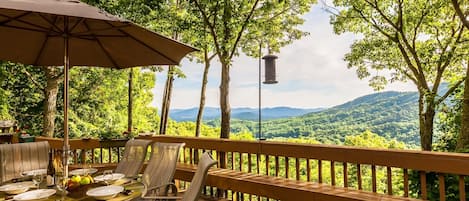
(383, 171)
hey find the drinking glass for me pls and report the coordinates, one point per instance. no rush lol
(107, 176)
(61, 182)
(37, 178)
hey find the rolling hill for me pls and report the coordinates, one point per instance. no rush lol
(211, 113)
(389, 114)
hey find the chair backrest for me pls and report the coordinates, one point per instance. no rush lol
(161, 167)
(134, 155)
(198, 181)
(17, 158)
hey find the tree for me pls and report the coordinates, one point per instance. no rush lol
(418, 41)
(232, 23)
(463, 138)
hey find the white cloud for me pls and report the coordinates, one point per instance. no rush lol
(311, 73)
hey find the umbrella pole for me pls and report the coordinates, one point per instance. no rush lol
(66, 146)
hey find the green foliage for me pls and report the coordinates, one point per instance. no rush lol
(388, 114)
(369, 139)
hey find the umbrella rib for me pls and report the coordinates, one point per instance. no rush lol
(146, 45)
(89, 31)
(9, 19)
(102, 46)
(52, 23)
(76, 24)
(17, 18)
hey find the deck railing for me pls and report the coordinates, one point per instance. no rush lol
(376, 170)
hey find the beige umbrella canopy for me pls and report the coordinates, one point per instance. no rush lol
(70, 33)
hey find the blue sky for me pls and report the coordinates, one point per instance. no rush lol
(311, 73)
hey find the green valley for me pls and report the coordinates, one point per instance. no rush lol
(388, 114)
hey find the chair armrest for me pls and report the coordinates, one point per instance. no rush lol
(173, 187)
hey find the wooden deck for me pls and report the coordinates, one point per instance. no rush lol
(328, 167)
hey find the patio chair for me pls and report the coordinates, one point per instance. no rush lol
(159, 172)
(197, 183)
(134, 155)
(18, 158)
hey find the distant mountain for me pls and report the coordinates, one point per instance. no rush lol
(244, 113)
(389, 114)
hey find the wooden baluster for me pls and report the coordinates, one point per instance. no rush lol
(266, 164)
(441, 179)
(277, 166)
(345, 175)
(297, 164)
(101, 153)
(389, 175)
(232, 160)
(373, 178)
(319, 171)
(83, 156)
(308, 170)
(406, 183)
(258, 165)
(249, 162)
(92, 155)
(184, 160)
(110, 155)
(75, 156)
(287, 165)
(191, 158)
(240, 161)
(423, 184)
(332, 173)
(462, 190)
(118, 154)
(359, 177)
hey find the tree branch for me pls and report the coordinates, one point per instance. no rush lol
(459, 12)
(240, 33)
(450, 91)
(35, 82)
(211, 26)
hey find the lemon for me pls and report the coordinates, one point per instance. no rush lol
(76, 178)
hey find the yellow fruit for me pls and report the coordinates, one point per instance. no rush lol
(76, 178)
(85, 181)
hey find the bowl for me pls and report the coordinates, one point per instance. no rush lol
(104, 192)
(16, 188)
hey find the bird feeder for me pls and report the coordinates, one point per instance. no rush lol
(270, 75)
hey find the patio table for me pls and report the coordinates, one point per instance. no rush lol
(136, 187)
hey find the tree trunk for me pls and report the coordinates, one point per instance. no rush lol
(166, 100)
(426, 117)
(202, 95)
(462, 144)
(225, 100)
(50, 101)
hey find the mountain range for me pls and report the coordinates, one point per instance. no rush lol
(393, 115)
(243, 113)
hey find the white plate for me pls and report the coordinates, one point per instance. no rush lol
(104, 192)
(34, 195)
(33, 172)
(16, 188)
(83, 171)
(114, 177)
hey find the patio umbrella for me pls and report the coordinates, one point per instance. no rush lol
(70, 33)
